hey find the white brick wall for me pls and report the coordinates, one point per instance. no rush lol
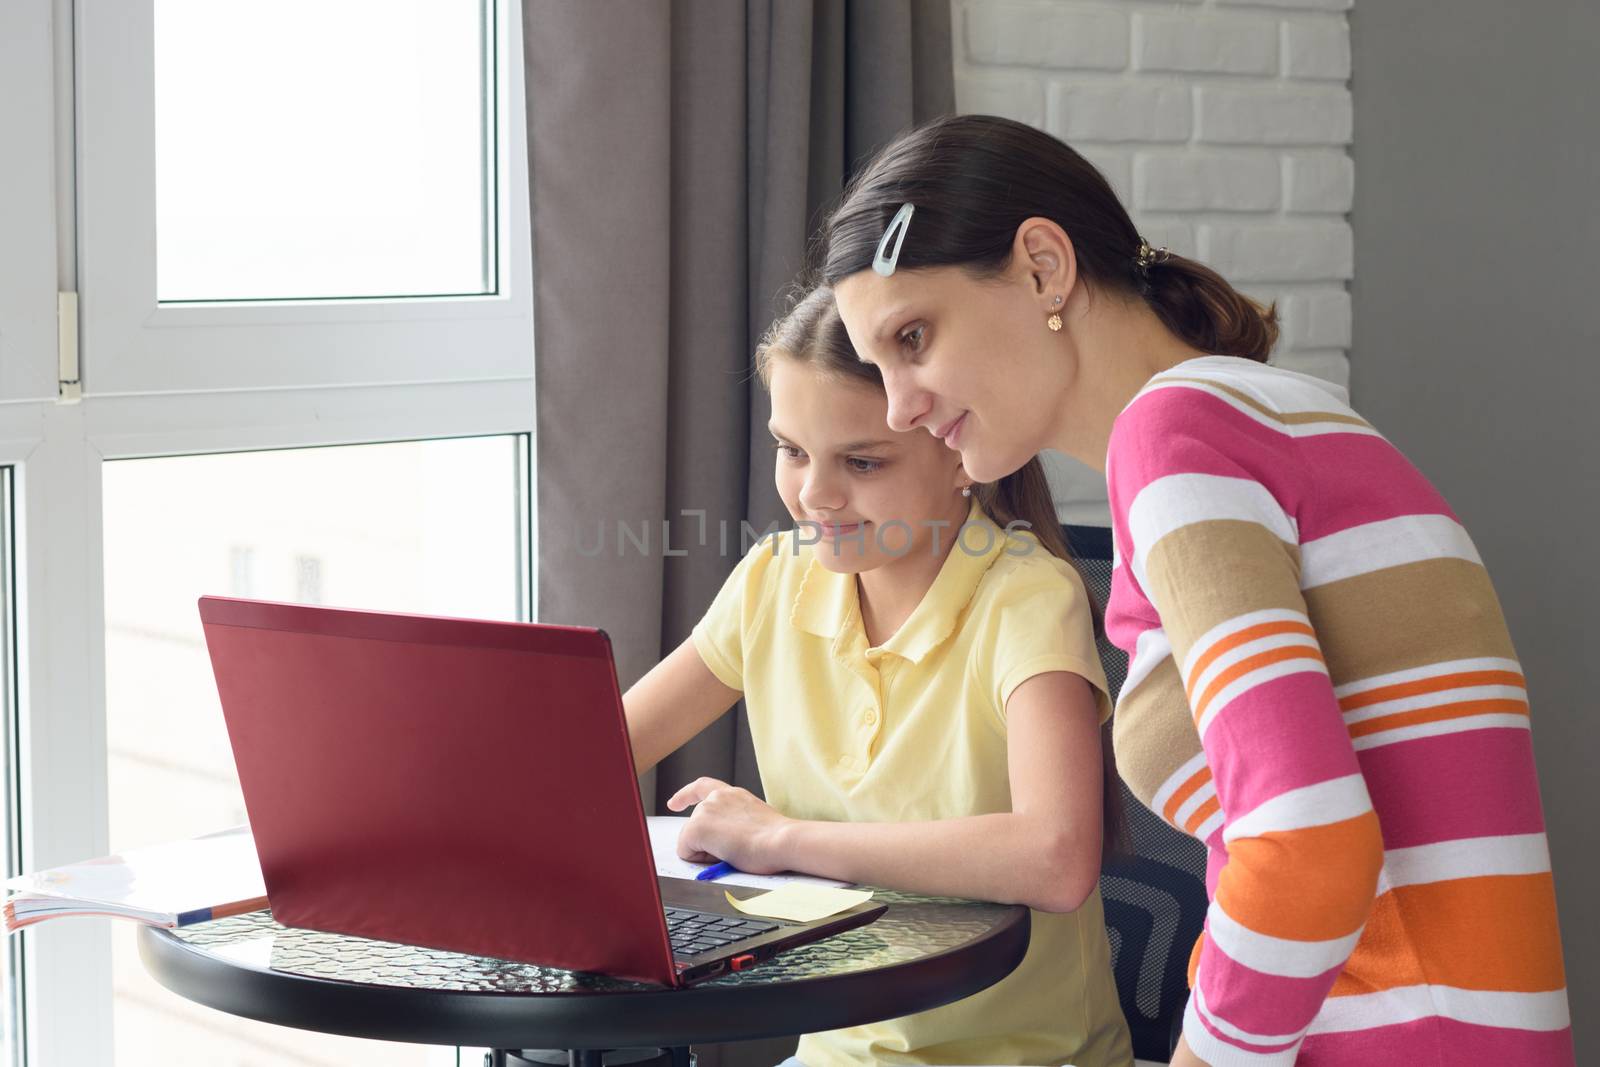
(1224, 126)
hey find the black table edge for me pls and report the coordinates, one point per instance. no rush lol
(654, 1017)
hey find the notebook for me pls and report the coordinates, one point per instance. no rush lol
(175, 884)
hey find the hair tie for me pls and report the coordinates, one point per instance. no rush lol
(1148, 257)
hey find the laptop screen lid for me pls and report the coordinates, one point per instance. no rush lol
(453, 783)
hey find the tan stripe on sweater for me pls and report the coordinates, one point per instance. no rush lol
(1153, 732)
(1204, 574)
(1290, 418)
(1435, 611)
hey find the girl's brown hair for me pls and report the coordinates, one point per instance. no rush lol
(974, 179)
(813, 334)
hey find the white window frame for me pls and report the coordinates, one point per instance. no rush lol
(80, 161)
(27, 191)
(133, 345)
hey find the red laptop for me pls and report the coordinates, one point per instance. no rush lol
(464, 785)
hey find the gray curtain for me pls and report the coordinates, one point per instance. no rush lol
(680, 156)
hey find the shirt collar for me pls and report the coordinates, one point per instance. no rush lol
(827, 601)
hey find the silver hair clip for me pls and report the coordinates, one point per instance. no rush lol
(884, 264)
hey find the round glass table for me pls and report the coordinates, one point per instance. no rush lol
(921, 953)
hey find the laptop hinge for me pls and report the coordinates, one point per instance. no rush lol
(67, 358)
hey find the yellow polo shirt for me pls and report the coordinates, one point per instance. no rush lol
(914, 730)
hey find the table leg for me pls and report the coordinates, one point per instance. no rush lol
(632, 1057)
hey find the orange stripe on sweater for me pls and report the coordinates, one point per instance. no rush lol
(1245, 666)
(1311, 884)
(1495, 932)
(1460, 710)
(1431, 685)
(1201, 814)
(1243, 637)
(1185, 791)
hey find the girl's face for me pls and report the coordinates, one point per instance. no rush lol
(969, 361)
(872, 493)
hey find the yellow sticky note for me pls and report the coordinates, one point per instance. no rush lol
(801, 903)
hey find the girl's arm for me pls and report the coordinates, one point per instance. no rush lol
(676, 700)
(1044, 853)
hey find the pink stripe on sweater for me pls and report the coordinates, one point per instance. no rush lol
(1280, 735)
(1293, 1000)
(1123, 625)
(1258, 1049)
(1156, 437)
(1356, 478)
(1360, 480)
(1475, 784)
(1431, 1041)
(1216, 859)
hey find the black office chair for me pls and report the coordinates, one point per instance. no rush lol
(1154, 894)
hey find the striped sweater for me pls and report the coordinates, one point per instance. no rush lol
(1321, 688)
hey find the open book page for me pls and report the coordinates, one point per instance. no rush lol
(664, 830)
(171, 884)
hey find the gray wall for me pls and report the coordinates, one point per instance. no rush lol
(1477, 349)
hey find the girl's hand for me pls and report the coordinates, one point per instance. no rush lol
(729, 824)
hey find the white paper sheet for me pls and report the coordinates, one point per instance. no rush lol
(664, 830)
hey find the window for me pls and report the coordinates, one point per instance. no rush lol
(12, 968)
(426, 526)
(369, 172)
(191, 363)
(347, 178)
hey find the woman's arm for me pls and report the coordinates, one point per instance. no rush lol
(1044, 853)
(1183, 1056)
(676, 700)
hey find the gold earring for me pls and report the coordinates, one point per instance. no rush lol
(1054, 321)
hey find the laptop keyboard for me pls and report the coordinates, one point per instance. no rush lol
(694, 932)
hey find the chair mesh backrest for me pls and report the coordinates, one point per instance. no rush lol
(1155, 894)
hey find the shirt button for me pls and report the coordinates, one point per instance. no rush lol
(870, 716)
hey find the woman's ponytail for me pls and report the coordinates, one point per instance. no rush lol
(1197, 304)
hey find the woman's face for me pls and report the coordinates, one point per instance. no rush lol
(871, 494)
(969, 361)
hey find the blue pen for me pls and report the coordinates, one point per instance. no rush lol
(715, 871)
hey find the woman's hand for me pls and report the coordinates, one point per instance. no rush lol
(729, 824)
(1185, 1057)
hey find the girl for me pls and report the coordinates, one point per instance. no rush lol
(1316, 651)
(925, 701)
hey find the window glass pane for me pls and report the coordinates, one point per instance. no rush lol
(323, 148)
(433, 526)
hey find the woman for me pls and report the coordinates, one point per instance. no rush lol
(925, 702)
(1321, 684)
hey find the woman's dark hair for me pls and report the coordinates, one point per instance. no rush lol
(974, 179)
(812, 334)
